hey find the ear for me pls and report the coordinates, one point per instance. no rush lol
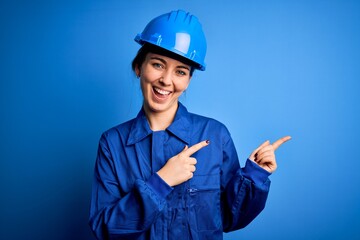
(137, 71)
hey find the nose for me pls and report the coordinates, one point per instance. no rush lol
(165, 79)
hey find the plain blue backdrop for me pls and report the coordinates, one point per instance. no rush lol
(273, 68)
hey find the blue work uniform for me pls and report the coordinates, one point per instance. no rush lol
(130, 200)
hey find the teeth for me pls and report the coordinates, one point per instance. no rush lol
(162, 92)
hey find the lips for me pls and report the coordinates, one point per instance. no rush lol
(161, 94)
(161, 91)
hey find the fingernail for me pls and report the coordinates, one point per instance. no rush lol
(207, 141)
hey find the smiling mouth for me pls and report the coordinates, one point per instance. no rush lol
(161, 92)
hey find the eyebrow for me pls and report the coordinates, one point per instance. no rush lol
(164, 62)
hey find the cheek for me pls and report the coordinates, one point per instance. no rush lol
(149, 75)
(181, 85)
(145, 84)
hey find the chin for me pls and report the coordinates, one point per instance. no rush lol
(160, 107)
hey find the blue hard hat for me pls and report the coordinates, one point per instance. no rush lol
(179, 32)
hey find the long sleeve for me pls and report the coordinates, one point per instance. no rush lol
(245, 190)
(115, 214)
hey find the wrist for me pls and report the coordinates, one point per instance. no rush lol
(162, 174)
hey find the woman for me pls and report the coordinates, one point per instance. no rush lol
(168, 173)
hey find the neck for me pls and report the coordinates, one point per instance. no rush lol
(160, 120)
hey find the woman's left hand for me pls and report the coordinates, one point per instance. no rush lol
(264, 155)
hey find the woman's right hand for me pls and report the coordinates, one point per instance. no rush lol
(181, 167)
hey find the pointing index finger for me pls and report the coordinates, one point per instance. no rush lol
(282, 140)
(196, 147)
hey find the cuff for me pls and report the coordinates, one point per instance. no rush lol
(255, 173)
(159, 186)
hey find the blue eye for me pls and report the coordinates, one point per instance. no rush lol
(182, 73)
(157, 65)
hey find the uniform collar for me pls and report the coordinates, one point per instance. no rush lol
(180, 127)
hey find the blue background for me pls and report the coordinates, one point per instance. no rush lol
(273, 68)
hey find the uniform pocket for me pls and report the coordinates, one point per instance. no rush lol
(205, 208)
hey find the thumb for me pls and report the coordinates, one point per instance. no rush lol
(183, 152)
(185, 148)
(252, 156)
